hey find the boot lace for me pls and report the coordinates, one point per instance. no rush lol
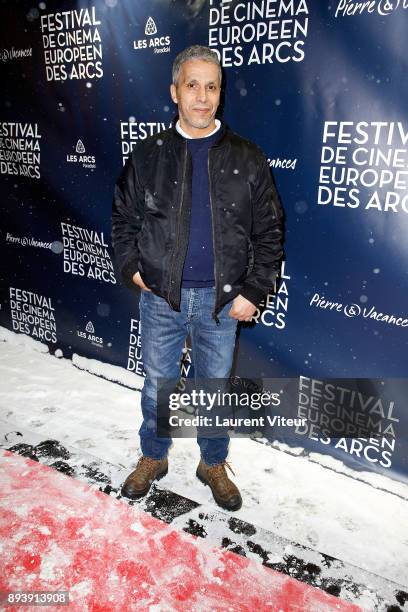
(146, 464)
(219, 471)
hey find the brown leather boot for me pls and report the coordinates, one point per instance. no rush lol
(139, 481)
(225, 493)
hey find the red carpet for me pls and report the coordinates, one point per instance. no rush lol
(59, 534)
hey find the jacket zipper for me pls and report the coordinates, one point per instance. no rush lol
(179, 217)
(214, 316)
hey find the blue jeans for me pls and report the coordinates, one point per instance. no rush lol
(163, 333)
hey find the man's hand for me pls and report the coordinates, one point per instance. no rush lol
(242, 309)
(137, 279)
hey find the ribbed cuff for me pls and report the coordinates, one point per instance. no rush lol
(252, 293)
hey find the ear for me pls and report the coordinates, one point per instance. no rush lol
(173, 93)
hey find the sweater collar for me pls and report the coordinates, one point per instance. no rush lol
(223, 135)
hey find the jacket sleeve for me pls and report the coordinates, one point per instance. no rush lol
(266, 236)
(127, 218)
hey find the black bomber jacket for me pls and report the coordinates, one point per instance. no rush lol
(151, 217)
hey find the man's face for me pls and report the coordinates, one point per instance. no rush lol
(197, 95)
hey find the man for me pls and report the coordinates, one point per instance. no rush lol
(197, 226)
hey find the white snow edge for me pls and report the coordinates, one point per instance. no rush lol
(129, 379)
(111, 372)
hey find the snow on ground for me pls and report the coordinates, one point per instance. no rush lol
(287, 494)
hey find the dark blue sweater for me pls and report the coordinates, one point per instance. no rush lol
(199, 263)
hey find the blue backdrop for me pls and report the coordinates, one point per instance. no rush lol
(318, 86)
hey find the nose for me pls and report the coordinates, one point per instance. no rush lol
(202, 94)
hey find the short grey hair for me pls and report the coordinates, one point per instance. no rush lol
(199, 52)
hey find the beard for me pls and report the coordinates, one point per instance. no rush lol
(198, 122)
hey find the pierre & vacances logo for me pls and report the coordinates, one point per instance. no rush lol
(7, 55)
(363, 310)
(349, 8)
